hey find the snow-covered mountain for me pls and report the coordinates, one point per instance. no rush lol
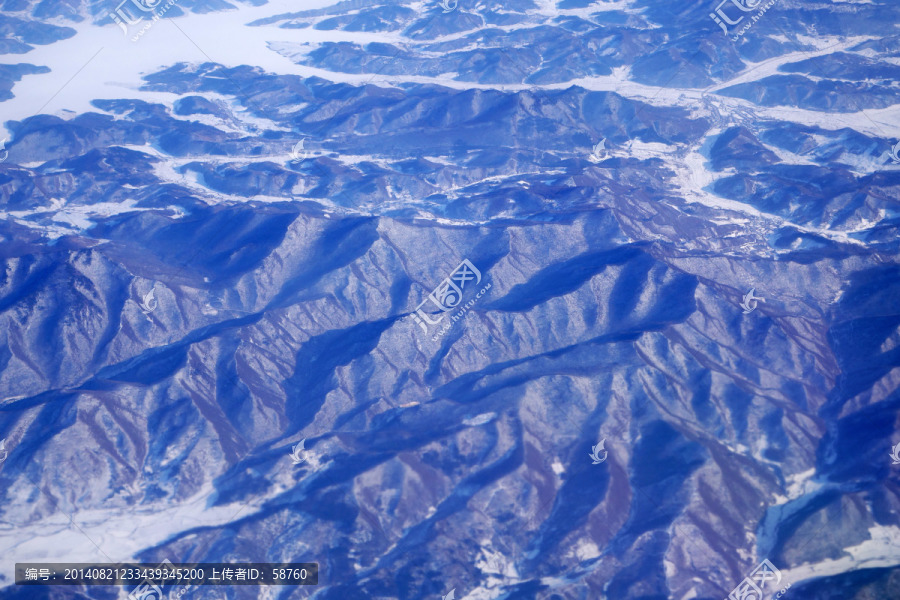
(454, 246)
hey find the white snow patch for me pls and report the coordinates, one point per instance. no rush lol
(75, 217)
(480, 419)
(112, 535)
(882, 550)
(670, 569)
(587, 550)
(798, 485)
